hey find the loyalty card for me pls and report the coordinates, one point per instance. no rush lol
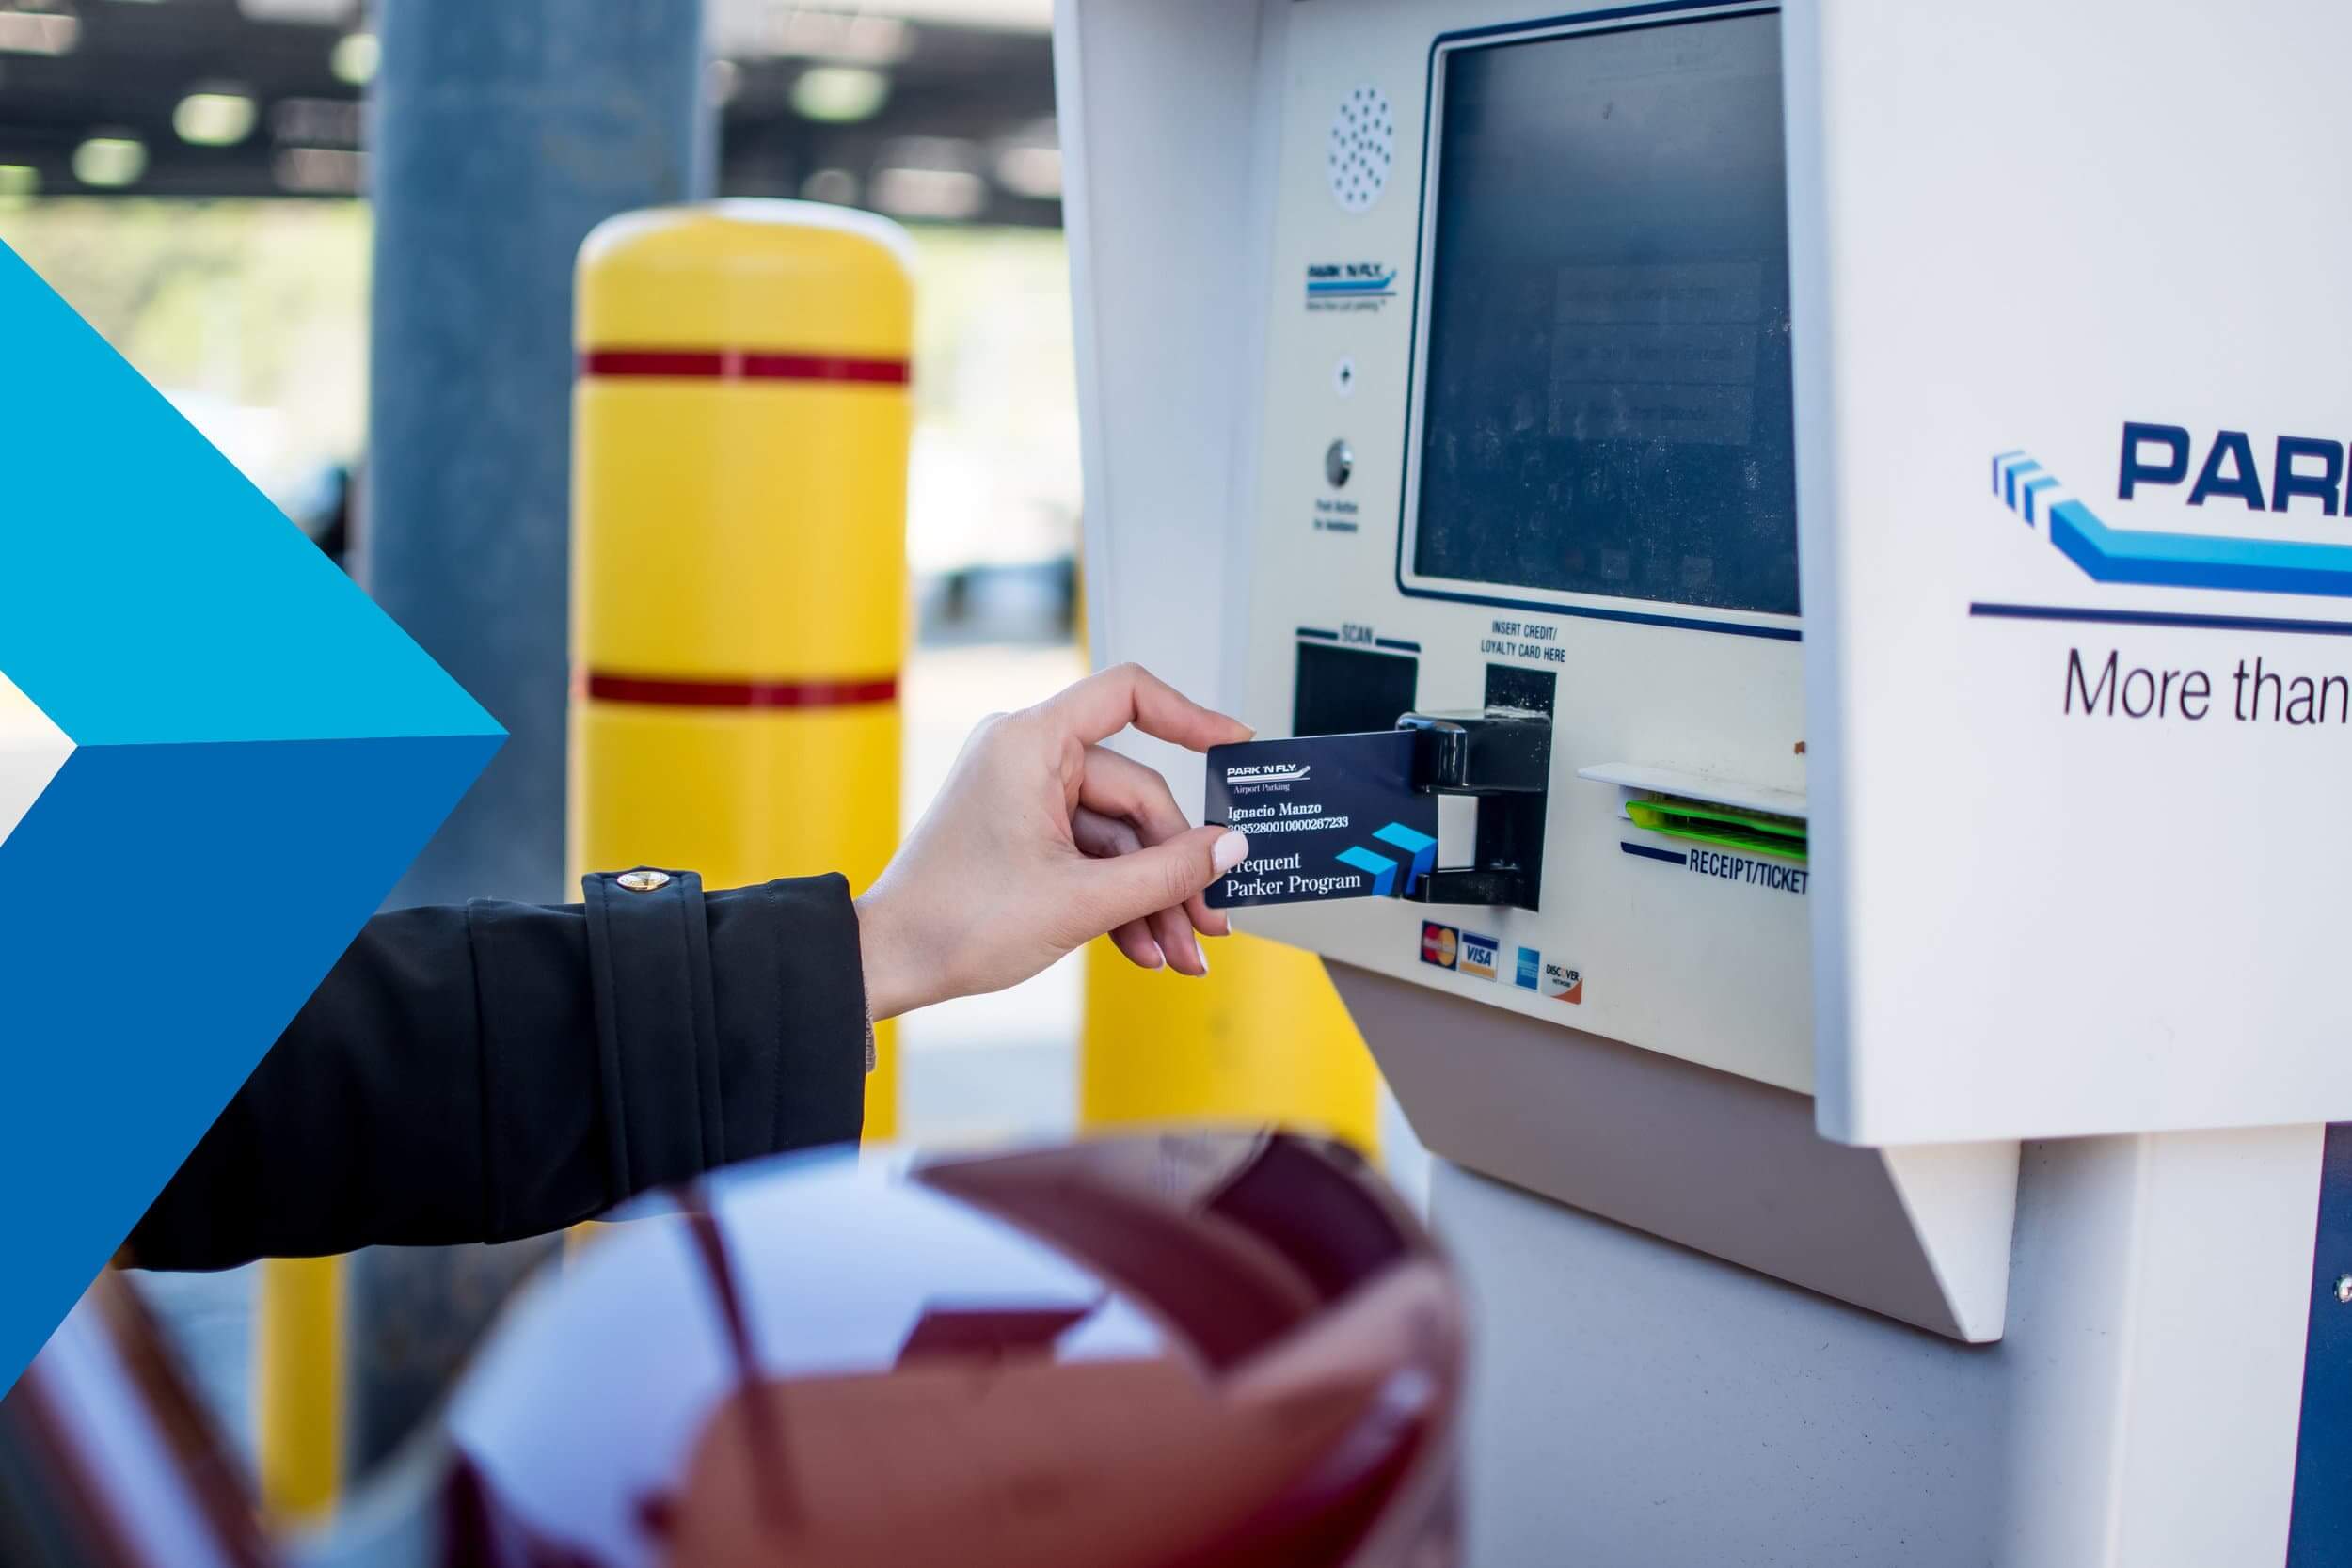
(1328, 817)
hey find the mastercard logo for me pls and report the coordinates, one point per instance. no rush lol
(1439, 944)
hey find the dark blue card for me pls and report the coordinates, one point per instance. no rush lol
(1328, 817)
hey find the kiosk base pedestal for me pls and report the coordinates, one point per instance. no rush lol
(1637, 1402)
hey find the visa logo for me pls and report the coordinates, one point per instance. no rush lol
(1478, 956)
(2301, 468)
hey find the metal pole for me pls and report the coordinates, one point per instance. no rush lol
(503, 134)
(500, 133)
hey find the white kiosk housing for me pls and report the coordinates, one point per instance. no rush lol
(1901, 449)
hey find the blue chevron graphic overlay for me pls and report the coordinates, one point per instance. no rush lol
(257, 752)
(1419, 846)
(173, 601)
(1382, 870)
(2168, 560)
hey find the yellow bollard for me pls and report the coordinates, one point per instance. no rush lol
(739, 581)
(298, 1385)
(1263, 1039)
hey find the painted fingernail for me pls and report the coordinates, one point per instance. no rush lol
(1230, 851)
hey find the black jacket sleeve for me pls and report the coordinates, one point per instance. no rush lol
(492, 1071)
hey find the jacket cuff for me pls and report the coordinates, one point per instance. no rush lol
(649, 967)
(790, 990)
(730, 1024)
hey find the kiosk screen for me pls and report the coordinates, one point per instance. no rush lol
(1605, 404)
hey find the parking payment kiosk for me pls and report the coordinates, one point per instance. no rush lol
(1852, 498)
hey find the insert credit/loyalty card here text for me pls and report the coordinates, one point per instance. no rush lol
(1328, 817)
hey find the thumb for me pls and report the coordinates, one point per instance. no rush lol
(1128, 887)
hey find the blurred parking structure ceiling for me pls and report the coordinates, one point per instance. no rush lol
(925, 109)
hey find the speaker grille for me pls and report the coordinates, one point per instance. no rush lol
(1364, 144)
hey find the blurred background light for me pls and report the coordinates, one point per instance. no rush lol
(721, 81)
(320, 171)
(775, 29)
(946, 194)
(37, 28)
(798, 87)
(315, 122)
(933, 178)
(19, 183)
(215, 117)
(734, 19)
(316, 13)
(839, 94)
(836, 186)
(110, 161)
(1031, 170)
(354, 58)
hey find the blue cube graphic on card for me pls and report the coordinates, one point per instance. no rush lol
(1328, 817)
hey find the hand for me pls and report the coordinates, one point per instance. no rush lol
(1042, 840)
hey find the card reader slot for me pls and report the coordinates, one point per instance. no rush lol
(1502, 756)
(1728, 827)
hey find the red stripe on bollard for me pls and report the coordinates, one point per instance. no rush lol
(665, 691)
(734, 364)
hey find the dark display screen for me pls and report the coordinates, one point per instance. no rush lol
(1606, 406)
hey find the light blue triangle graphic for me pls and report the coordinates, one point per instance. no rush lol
(259, 752)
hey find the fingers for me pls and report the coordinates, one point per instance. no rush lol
(1121, 787)
(1173, 932)
(1102, 836)
(1156, 878)
(1104, 839)
(1105, 824)
(1134, 939)
(1105, 703)
(1208, 922)
(1115, 785)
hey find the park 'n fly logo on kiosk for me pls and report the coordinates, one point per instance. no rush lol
(2304, 475)
(1349, 285)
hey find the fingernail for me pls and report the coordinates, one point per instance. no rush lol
(1231, 850)
(1203, 955)
(1159, 959)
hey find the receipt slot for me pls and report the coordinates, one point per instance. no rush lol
(1878, 1080)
